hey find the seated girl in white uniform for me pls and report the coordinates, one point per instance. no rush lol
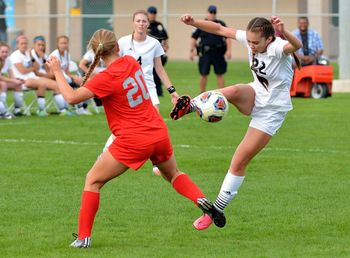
(9, 82)
(23, 68)
(62, 53)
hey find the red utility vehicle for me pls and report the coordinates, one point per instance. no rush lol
(313, 81)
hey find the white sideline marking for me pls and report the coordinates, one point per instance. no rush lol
(9, 123)
(48, 142)
(265, 149)
(185, 146)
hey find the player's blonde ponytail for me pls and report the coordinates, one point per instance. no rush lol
(103, 44)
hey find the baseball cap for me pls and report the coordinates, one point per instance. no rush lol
(212, 9)
(152, 9)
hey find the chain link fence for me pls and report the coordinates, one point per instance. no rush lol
(78, 19)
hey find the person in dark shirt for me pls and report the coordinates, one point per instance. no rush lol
(156, 29)
(3, 26)
(212, 50)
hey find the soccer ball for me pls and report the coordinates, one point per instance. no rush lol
(212, 106)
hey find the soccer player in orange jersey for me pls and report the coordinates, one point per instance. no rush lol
(141, 132)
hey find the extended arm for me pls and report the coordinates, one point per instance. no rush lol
(294, 43)
(164, 78)
(209, 26)
(70, 95)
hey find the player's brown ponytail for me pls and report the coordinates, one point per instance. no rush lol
(297, 61)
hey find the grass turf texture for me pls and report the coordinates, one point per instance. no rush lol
(292, 204)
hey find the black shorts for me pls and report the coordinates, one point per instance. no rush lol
(215, 59)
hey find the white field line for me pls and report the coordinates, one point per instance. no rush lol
(184, 146)
(47, 142)
(10, 123)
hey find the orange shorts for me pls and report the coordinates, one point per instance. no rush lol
(135, 157)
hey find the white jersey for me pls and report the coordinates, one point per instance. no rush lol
(273, 74)
(24, 58)
(64, 60)
(90, 56)
(144, 52)
(40, 60)
(6, 67)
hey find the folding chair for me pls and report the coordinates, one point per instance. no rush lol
(29, 96)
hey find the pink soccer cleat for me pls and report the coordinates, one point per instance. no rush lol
(203, 222)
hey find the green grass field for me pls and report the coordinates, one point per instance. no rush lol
(293, 203)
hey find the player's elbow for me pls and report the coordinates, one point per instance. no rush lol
(72, 99)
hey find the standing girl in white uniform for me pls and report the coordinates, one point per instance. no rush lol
(266, 99)
(147, 51)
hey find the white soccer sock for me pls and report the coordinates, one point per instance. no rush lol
(18, 99)
(3, 109)
(61, 103)
(228, 190)
(3, 97)
(41, 102)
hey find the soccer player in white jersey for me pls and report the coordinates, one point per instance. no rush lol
(147, 51)
(87, 60)
(23, 67)
(9, 82)
(84, 65)
(266, 99)
(62, 54)
(40, 57)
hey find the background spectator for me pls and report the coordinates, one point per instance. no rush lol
(157, 30)
(23, 68)
(84, 65)
(312, 43)
(74, 80)
(9, 82)
(39, 56)
(212, 50)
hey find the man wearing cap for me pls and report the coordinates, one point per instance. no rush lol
(157, 30)
(212, 50)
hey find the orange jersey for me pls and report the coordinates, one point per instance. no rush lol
(130, 114)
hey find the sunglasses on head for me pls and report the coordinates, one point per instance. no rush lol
(212, 12)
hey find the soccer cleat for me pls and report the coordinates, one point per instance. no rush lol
(7, 115)
(83, 111)
(66, 113)
(203, 222)
(84, 243)
(181, 107)
(208, 208)
(42, 113)
(18, 112)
